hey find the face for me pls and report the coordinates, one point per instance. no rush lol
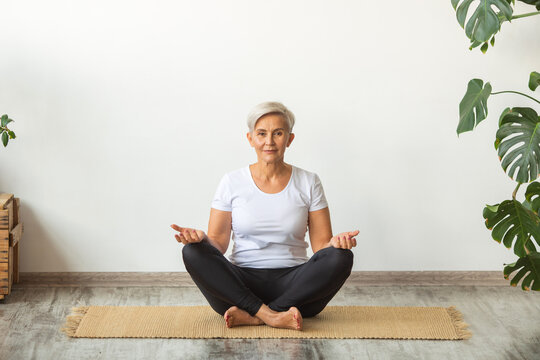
(270, 133)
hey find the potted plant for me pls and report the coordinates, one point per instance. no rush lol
(5, 133)
(517, 141)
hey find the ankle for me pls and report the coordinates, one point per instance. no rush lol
(266, 314)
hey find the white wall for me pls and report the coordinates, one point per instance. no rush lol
(129, 112)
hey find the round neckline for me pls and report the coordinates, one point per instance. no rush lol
(270, 194)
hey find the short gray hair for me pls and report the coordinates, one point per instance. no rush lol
(270, 107)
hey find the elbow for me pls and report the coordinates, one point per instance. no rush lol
(218, 245)
(221, 250)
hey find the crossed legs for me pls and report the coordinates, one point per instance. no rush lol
(237, 293)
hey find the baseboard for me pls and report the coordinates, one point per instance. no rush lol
(174, 279)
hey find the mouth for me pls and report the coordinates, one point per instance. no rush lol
(270, 151)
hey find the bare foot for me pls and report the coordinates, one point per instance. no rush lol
(235, 316)
(290, 319)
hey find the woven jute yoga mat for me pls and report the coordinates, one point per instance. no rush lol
(335, 322)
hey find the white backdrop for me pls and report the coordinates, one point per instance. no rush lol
(129, 112)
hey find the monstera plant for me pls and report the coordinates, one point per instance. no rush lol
(517, 142)
(485, 21)
(5, 133)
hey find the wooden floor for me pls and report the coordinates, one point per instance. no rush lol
(504, 320)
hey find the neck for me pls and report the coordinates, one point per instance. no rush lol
(268, 171)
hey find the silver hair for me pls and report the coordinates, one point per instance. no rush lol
(270, 107)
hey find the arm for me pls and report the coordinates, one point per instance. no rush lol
(320, 229)
(219, 229)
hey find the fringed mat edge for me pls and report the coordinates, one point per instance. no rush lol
(457, 320)
(73, 321)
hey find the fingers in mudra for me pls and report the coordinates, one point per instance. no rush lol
(345, 240)
(191, 236)
(183, 239)
(180, 238)
(348, 242)
(188, 235)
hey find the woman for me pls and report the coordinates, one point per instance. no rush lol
(269, 206)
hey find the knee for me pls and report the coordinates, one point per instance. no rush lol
(342, 259)
(191, 252)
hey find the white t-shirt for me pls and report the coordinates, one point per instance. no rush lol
(269, 229)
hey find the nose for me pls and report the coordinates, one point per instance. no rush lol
(269, 140)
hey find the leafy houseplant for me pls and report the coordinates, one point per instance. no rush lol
(517, 142)
(484, 22)
(5, 133)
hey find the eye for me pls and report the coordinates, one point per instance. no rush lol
(279, 133)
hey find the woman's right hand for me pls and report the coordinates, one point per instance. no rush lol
(188, 235)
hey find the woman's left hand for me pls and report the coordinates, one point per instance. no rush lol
(345, 240)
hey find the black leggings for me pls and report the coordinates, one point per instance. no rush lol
(308, 286)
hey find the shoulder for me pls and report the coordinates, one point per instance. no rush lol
(306, 175)
(236, 176)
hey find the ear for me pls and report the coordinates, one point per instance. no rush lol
(291, 137)
(248, 135)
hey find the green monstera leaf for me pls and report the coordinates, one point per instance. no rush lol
(533, 190)
(484, 22)
(519, 126)
(527, 264)
(534, 80)
(473, 106)
(511, 220)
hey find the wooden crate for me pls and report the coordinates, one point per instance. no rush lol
(11, 229)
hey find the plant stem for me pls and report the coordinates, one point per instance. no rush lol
(515, 92)
(525, 244)
(515, 191)
(525, 15)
